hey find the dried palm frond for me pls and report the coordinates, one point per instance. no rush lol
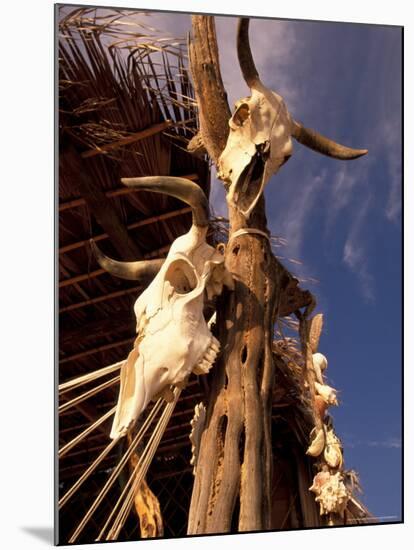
(106, 85)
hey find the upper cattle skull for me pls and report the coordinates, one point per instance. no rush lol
(173, 338)
(260, 136)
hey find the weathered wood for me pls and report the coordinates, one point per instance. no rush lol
(309, 507)
(213, 108)
(235, 460)
(147, 506)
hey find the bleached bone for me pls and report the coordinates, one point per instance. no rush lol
(173, 338)
(197, 427)
(260, 136)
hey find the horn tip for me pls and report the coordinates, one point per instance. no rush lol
(360, 153)
(127, 181)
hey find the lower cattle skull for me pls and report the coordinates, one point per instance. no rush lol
(173, 338)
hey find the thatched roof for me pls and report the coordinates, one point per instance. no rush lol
(126, 108)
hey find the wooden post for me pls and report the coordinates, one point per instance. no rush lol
(235, 458)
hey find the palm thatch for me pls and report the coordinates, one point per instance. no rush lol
(127, 108)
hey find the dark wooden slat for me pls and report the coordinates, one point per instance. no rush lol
(100, 205)
(96, 329)
(135, 225)
(96, 350)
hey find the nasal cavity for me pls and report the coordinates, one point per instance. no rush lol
(181, 277)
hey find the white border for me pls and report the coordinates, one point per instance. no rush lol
(27, 264)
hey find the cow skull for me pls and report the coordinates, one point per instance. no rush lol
(260, 136)
(173, 338)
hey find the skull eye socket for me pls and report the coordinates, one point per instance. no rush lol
(241, 115)
(181, 277)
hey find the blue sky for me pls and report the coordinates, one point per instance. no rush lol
(341, 220)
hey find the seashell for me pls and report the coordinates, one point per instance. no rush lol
(327, 393)
(317, 442)
(320, 406)
(333, 452)
(331, 493)
(318, 481)
(319, 363)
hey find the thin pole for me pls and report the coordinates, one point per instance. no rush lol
(131, 478)
(66, 448)
(85, 378)
(145, 461)
(88, 394)
(87, 473)
(116, 471)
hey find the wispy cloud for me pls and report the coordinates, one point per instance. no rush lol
(388, 442)
(355, 255)
(348, 182)
(274, 47)
(294, 219)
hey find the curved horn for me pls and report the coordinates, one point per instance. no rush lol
(324, 145)
(179, 188)
(144, 270)
(244, 53)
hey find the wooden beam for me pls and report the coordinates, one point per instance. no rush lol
(98, 299)
(82, 277)
(92, 351)
(119, 191)
(137, 136)
(97, 328)
(141, 223)
(99, 205)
